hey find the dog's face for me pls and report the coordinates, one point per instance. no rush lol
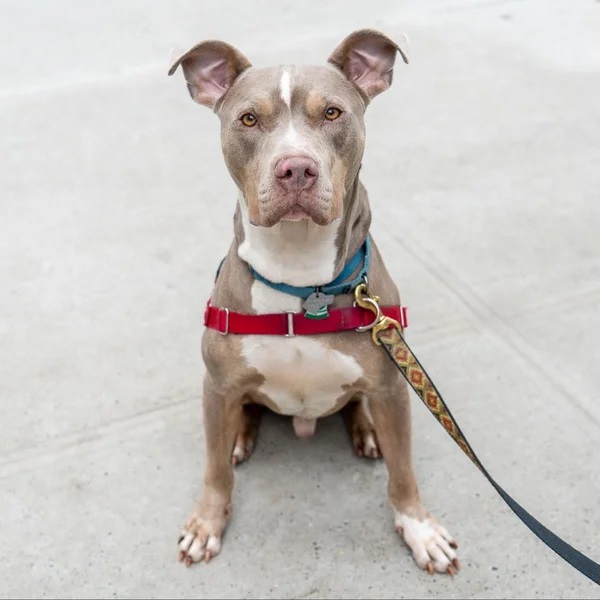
(292, 137)
(293, 140)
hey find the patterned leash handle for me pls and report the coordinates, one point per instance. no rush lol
(407, 363)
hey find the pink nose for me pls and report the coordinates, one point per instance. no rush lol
(297, 173)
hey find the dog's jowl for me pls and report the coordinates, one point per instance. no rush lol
(278, 334)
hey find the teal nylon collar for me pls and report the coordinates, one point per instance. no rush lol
(338, 286)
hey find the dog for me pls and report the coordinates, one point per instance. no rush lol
(293, 140)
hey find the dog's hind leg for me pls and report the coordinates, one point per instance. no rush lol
(359, 422)
(247, 432)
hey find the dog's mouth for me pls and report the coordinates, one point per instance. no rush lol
(270, 210)
(296, 213)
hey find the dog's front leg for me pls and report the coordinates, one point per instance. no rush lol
(202, 533)
(432, 546)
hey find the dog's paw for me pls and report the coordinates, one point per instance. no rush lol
(432, 546)
(362, 432)
(247, 433)
(365, 443)
(200, 538)
(244, 444)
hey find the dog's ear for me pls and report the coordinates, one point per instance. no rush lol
(366, 57)
(210, 68)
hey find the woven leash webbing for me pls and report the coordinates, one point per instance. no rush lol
(402, 356)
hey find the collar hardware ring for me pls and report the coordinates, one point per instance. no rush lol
(380, 323)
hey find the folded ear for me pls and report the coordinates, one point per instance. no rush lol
(367, 58)
(210, 68)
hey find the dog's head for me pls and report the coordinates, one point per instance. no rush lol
(292, 136)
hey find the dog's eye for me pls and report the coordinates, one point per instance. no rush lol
(249, 120)
(332, 113)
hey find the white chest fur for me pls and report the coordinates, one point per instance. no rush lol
(303, 377)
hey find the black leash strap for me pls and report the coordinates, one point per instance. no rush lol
(401, 355)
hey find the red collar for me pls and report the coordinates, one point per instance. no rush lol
(295, 323)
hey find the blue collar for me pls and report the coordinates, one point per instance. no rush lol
(338, 286)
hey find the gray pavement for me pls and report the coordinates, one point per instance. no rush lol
(482, 165)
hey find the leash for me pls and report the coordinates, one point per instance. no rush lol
(387, 333)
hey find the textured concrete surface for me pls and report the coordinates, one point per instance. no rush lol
(115, 207)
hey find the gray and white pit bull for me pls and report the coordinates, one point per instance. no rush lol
(293, 140)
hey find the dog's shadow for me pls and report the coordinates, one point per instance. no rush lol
(276, 440)
(327, 460)
(312, 496)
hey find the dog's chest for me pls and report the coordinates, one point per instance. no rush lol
(302, 376)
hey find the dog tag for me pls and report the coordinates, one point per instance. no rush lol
(315, 305)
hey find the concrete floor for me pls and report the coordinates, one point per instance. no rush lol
(482, 165)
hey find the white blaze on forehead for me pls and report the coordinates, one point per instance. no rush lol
(291, 136)
(285, 87)
(292, 139)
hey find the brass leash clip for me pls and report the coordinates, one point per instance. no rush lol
(369, 301)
